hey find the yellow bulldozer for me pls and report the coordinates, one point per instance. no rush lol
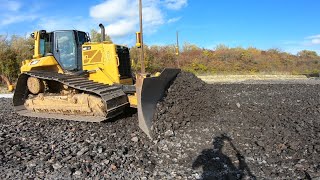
(72, 78)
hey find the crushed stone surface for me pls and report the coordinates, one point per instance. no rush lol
(201, 131)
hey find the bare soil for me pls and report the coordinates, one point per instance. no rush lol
(3, 89)
(201, 131)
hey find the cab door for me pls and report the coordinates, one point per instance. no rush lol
(65, 49)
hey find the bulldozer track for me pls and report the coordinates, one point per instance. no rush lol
(112, 95)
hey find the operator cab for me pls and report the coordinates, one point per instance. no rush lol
(65, 46)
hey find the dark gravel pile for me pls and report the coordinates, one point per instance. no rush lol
(51, 149)
(186, 100)
(235, 131)
(240, 131)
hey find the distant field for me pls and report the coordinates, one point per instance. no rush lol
(239, 78)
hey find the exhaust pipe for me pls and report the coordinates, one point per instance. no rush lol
(103, 32)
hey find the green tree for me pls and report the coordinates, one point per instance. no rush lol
(190, 47)
(8, 59)
(12, 52)
(23, 47)
(96, 36)
(221, 47)
(308, 54)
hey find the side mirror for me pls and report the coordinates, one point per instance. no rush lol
(88, 37)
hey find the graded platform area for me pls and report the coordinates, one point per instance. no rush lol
(258, 79)
(237, 131)
(6, 95)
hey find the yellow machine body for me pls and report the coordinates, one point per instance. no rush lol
(47, 63)
(102, 61)
(97, 86)
(99, 59)
(40, 62)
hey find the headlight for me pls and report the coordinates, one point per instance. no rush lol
(34, 62)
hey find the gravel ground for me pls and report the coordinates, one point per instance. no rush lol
(201, 131)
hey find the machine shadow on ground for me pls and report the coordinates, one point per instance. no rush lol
(217, 165)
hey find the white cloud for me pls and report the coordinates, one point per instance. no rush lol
(10, 5)
(58, 23)
(173, 20)
(14, 12)
(16, 19)
(313, 37)
(296, 49)
(114, 9)
(122, 16)
(175, 4)
(308, 43)
(313, 40)
(152, 17)
(121, 28)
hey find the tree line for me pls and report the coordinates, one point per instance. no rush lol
(228, 60)
(222, 59)
(13, 51)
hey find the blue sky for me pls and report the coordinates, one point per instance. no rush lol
(290, 25)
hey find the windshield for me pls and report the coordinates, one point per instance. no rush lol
(45, 44)
(66, 48)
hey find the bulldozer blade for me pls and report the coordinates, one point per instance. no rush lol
(149, 91)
